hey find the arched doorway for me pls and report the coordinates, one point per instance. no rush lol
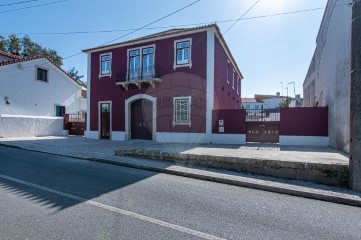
(142, 119)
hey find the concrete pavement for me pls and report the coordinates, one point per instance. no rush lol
(103, 151)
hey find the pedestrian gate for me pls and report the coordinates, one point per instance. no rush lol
(263, 125)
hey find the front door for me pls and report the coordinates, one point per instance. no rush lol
(142, 119)
(105, 120)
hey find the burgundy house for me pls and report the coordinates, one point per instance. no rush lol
(164, 87)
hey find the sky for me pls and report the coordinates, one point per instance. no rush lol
(268, 50)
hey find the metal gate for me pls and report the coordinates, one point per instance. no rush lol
(263, 125)
(75, 123)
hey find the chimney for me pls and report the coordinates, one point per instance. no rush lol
(278, 94)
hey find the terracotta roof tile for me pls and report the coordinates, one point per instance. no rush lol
(10, 55)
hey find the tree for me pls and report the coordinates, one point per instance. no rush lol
(13, 44)
(74, 74)
(3, 43)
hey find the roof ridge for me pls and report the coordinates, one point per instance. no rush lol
(7, 54)
(154, 35)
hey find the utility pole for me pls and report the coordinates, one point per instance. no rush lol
(294, 88)
(287, 91)
(355, 100)
(282, 88)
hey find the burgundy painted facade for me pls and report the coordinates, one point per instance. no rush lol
(308, 121)
(179, 82)
(234, 121)
(225, 97)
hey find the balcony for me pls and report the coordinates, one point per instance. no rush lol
(139, 77)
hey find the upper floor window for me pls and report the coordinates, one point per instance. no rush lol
(141, 63)
(182, 111)
(233, 79)
(182, 53)
(41, 74)
(105, 64)
(247, 106)
(238, 85)
(228, 67)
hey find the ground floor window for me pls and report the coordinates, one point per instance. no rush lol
(182, 111)
(59, 111)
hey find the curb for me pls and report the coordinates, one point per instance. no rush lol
(257, 186)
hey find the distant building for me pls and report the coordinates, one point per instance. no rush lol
(263, 101)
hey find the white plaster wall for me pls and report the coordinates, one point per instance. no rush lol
(304, 140)
(332, 73)
(229, 138)
(29, 126)
(28, 96)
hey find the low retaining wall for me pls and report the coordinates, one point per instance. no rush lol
(30, 126)
(330, 174)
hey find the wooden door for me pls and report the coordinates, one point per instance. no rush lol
(105, 120)
(142, 119)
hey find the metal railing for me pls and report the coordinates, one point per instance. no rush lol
(137, 74)
(263, 115)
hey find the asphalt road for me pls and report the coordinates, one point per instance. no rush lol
(44, 196)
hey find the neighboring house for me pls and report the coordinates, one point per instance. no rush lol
(4, 56)
(34, 95)
(162, 87)
(328, 81)
(263, 101)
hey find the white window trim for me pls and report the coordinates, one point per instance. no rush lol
(60, 105)
(141, 58)
(233, 79)
(100, 65)
(189, 64)
(238, 83)
(189, 98)
(228, 64)
(47, 74)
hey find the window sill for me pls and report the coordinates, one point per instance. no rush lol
(181, 124)
(105, 75)
(182, 65)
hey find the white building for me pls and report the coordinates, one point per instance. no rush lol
(263, 101)
(34, 95)
(328, 81)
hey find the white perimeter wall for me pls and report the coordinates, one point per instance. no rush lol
(29, 126)
(28, 96)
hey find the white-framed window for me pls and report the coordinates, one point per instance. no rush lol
(238, 85)
(59, 110)
(42, 74)
(183, 53)
(233, 78)
(247, 106)
(105, 64)
(182, 110)
(141, 63)
(228, 67)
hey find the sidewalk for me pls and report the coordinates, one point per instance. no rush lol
(103, 151)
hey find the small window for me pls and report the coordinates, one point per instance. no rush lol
(238, 85)
(134, 65)
(228, 64)
(247, 106)
(105, 66)
(182, 110)
(182, 53)
(59, 111)
(42, 74)
(233, 79)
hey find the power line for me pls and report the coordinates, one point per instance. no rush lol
(174, 26)
(241, 16)
(10, 4)
(159, 19)
(39, 5)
